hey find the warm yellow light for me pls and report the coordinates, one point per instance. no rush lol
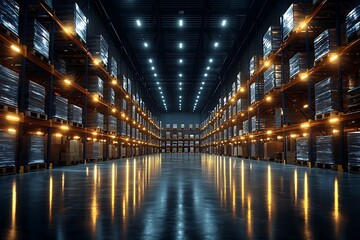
(232, 99)
(279, 137)
(268, 98)
(134, 122)
(293, 135)
(305, 106)
(304, 76)
(39, 133)
(242, 114)
(267, 63)
(12, 130)
(251, 136)
(64, 127)
(94, 139)
(123, 115)
(114, 81)
(269, 132)
(335, 131)
(76, 137)
(144, 128)
(303, 25)
(96, 61)
(13, 118)
(251, 108)
(58, 135)
(67, 81)
(242, 89)
(113, 136)
(113, 110)
(233, 120)
(94, 133)
(68, 30)
(305, 125)
(127, 139)
(15, 48)
(127, 96)
(333, 57)
(334, 120)
(96, 98)
(305, 134)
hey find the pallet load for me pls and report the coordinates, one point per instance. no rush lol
(75, 114)
(39, 39)
(257, 124)
(302, 149)
(60, 66)
(271, 150)
(9, 82)
(326, 149)
(291, 20)
(35, 97)
(272, 78)
(241, 105)
(9, 15)
(353, 24)
(271, 40)
(94, 151)
(353, 139)
(114, 71)
(49, 3)
(111, 123)
(95, 121)
(73, 152)
(354, 99)
(257, 150)
(255, 63)
(36, 151)
(278, 118)
(256, 92)
(7, 148)
(73, 17)
(246, 127)
(60, 108)
(99, 48)
(110, 96)
(298, 64)
(96, 86)
(326, 97)
(123, 128)
(324, 44)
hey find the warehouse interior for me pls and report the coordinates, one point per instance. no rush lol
(179, 119)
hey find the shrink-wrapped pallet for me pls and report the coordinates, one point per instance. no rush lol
(60, 108)
(7, 148)
(9, 15)
(75, 114)
(95, 120)
(9, 85)
(326, 96)
(271, 40)
(35, 97)
(99, 49)
(302, 149)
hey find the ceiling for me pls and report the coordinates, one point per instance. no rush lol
(179, 78)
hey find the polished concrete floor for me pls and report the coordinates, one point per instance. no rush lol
(180, 196)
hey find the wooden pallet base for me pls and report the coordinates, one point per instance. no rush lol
(325, 165)
(37, 115)
(9, 34)
(35, 167)
(354, 169)
(353, 37)
(78, 125)
(59, 120)
(7, 170)
(6, 108)
(326, 115)
(40, 56)
(94, 160)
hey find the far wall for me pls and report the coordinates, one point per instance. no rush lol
(186, 118)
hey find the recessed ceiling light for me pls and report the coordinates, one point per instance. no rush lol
(180, 96)
(162, 96)
(180, 75)
(180, 60)
(196, 100)
(150, 60)
(161, 92)
(157, 83)
(197, 96)
(180, 83)
(203, 83)
(208, 68)
(205, 74)
(152, 68)
(146, 44)
(180, 88)
(159, 88)
(216, 44)
(180, 22)
(138, 23)
(164, 101)
(155, 75)
(180, 45)
(201, 88)
(223, 23)
(211, 60)
(199, 92)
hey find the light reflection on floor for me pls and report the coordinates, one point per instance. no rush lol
(180, 196)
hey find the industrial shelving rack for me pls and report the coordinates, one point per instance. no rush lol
(180, 138)
(65, 44)
(295, 98)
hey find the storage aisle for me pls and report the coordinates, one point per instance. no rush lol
(183, 196)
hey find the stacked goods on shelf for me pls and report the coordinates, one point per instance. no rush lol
(354, 99)
(255, 63)
(291, 20)
(302, 149)
(60, 66)
(246, 127)
(39, 38)
(271, 40)
(109, 94)
(73, 152)
(324, 44)
(257, 124)
(114, 71)
(99, 49)
(49, 3)
(95, 120)
(36, 151)
(96, 86)
(7, 148)
(9, 15)
(241, 105)
(272, 78)
(353, 22)
(353, 139)
(60, 108)
(326, 96)
(94, 150)
(73, 17)
(271, 149)
(75, 114)
(35, 97)
(9, 82)
(128, 130)
(111, 123)
(326, 149)
(256, 92)
(298, 64)
(257, 150)
(123, 128)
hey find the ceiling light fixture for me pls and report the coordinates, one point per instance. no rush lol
(146, 44)
(150, 60)
(180, 45)
(180, 22)
(211, 60)
(223, 23)
(138, 23)
(216, 44)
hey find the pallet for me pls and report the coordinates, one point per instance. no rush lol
(326, 115)
(6, 108)
(9, 34)
(321, 60)
(37, 115)
(7, 170)
(325, 165)
(40, 56)
(111, 133)
(78, 125)
(36, 167)
(354, 169)
(98, 130)
(353, 37)
(59, 120)
(92, 160)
